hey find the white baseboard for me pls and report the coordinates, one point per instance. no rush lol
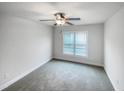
(110, 79)
(5, 85)
(88, 63)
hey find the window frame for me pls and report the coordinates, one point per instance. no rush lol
(74, 55)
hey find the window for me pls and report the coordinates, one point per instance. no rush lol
(75, 43)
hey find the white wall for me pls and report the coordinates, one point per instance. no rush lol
(114, 49)
(24, 45)
(95, 44)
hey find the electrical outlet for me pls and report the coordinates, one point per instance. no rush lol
(3, 76)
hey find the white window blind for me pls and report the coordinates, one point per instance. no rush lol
(75, 43)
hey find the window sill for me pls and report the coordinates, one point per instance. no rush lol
(76, 56)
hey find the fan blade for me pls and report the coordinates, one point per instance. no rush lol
(55, 24)
(73, 19)
(69, 23)
(48, 20)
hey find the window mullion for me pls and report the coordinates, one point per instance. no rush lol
(74, 42)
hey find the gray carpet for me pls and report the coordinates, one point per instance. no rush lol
(64, 76)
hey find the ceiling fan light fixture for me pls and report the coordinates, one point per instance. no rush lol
(60, 22)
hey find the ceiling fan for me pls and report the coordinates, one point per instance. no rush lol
(61, 19)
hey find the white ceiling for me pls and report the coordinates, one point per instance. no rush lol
(89, 12)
